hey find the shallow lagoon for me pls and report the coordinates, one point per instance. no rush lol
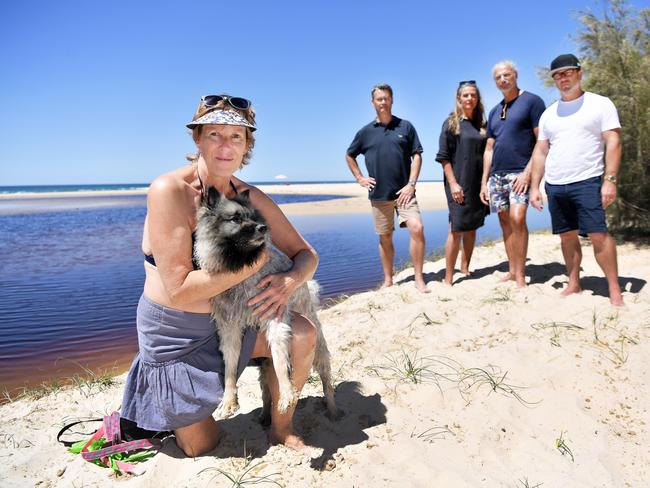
(71, 277)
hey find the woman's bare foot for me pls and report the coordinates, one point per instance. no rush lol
(448, 280)
(466, 272)
(386, 284)
(292, 441)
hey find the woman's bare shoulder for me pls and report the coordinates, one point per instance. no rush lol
(257, 196)
(173, 183)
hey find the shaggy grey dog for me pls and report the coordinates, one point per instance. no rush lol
(231, 234)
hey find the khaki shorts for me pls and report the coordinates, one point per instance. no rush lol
(383, 214)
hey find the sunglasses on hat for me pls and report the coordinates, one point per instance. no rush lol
(210, 101)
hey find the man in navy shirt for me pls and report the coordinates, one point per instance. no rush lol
(392, 153)
(511, 132)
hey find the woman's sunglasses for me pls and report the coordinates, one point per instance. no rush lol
(210, 101)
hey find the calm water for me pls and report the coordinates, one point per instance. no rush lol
(120, 186)
(71, 275)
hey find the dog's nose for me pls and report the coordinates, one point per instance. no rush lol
(261, 228)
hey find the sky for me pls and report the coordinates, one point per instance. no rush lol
(100, 92)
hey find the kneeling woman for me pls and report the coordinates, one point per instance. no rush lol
(462, 142)
(175, 381)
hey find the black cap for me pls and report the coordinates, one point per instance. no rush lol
(564, 61)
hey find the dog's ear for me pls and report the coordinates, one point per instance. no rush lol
(211, 197)
(245, 195)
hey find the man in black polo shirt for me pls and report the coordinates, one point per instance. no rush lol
(392, 152)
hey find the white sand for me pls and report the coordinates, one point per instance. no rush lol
(430, 196)
(438, 432)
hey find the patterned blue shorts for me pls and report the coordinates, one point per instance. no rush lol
(501, 193)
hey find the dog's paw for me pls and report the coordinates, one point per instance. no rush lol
(227, 408)
(288, 398)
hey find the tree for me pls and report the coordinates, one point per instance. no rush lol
(614, 52)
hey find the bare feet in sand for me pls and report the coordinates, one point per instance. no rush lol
(520, 280)
(570, 290)
(292, 441)
(386, 284)
(507, 277)
(421, 286)
(617, 300)
(449, 281)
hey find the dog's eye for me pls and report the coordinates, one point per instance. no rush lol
(236, 219)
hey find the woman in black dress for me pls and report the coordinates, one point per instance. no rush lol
(462, 141)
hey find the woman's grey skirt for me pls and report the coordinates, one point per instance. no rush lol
(177, 377)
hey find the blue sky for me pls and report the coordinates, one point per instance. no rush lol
(99, 92)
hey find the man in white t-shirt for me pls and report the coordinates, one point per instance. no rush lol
(579, 140)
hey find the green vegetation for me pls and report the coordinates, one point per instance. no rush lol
(475, 378)
(560, 445)
(526, 484)
(614, 51)
(87, 383)
(556, 328)
(432, 434)
(246, 475)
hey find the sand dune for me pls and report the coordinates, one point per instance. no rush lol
(479, 384)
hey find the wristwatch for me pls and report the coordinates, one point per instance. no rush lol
(412, 182)
(611, 178)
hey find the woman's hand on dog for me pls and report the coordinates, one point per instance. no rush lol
(272, 302)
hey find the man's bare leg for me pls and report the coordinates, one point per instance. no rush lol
(303, 343)
(506, 229)
(519, 242)
(572, 253)
(469, 239)
(451, 255)
(387, 255)
(416, 248)
(605, 254)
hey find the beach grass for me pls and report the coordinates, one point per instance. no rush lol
(500, 295)
(10, 441)
(424, 319)
(432, 434)
(526, 484)
(403, 367)
(556, 329)
(88, 382)
(247, 474)
(476, 378)
(561, 445)
(617, 349)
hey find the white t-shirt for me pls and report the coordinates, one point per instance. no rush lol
(574, 131)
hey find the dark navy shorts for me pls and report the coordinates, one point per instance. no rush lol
(576, 206)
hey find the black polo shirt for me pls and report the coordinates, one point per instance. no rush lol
(387, 150)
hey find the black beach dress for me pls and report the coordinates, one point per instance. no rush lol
(465, 153)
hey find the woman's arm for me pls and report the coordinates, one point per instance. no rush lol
(280, 286)
(457, 192)
(487, 162)
(170, 215)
